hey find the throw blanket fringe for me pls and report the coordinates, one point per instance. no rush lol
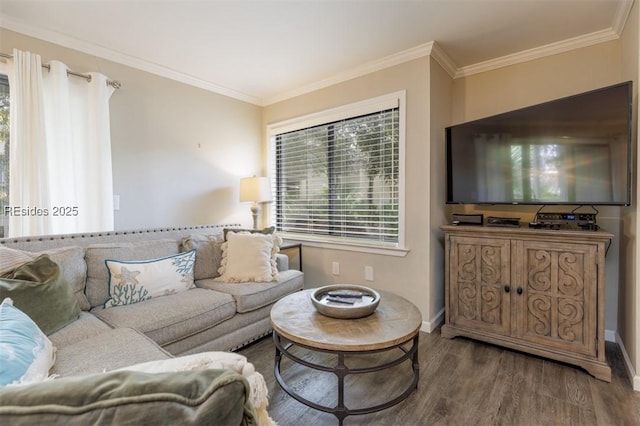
(259, 396)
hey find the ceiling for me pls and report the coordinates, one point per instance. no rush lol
(265, 51)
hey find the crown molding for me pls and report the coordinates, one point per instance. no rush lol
(621, 16)
(444, 60)
(12, 24)
(427, 49)
(613, 33)
(538, 52)
(416, 52)
(434, 50)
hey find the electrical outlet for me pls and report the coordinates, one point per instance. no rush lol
(335, 268)
(368, 273)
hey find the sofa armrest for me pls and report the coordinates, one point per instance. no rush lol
(127, 397)
(282, 261)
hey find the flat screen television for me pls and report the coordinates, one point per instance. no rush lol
(572, 151)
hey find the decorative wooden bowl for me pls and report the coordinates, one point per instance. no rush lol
(345, 301)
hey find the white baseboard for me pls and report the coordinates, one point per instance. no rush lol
(633, 376)
(429, 326)
(610, 336)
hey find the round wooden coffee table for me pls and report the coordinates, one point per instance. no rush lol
(393, 326)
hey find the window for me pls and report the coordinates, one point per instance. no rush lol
(4, 154)
(337, 175)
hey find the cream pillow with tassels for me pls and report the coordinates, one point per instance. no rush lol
(249, 257)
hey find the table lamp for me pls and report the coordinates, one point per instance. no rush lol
(256, 190)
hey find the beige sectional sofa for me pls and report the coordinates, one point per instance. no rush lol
(213, 316)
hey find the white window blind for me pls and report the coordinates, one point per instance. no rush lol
(340, 180)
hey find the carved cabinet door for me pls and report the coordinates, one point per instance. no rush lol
(556, 295)
(479, 283)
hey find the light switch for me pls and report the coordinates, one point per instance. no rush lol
(335, 268)
(368, 273)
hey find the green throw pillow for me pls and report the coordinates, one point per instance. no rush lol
(39, 290)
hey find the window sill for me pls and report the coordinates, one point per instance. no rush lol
(359, 248)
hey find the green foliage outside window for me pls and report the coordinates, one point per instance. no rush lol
(341, 179)
(4, 152)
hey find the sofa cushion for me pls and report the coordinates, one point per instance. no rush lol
(229, 335)
(26, 353)
(87, 325)
(106, 351)
(74, 269)
(253, 295)
(282, 262)
(249, 257)
(97, 289)
(208, 397)
(10, 259)
(38, 289)
(165, 319)
(208, 255)
(70, 260)
(135, 281)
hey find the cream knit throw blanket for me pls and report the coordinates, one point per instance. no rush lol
(206, 360)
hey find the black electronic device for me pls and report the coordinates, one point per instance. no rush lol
(569, 151)
(467, 219)
(509, 222)
(571, 221)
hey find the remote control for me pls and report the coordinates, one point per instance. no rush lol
(346, 293)
(339, 300)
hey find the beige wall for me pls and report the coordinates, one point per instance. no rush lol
(440, 113)
(629, 296)
(409, 276)
(178, 151)
(538, 81)
(453, 101)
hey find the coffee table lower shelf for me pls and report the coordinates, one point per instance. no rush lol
(341, 411)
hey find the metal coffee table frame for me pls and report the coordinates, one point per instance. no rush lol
(341, 411)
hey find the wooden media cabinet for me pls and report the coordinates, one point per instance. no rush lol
(537, 291)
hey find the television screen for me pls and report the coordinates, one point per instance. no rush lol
(574, 150)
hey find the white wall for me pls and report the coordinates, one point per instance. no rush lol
(178, 151)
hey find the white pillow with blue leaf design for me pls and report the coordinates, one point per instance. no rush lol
(135, 281)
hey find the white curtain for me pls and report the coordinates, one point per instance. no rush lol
(60, 160)
(28, 148)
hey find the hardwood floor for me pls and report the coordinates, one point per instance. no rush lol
(462, 382)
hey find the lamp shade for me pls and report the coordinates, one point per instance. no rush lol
(255, 189)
